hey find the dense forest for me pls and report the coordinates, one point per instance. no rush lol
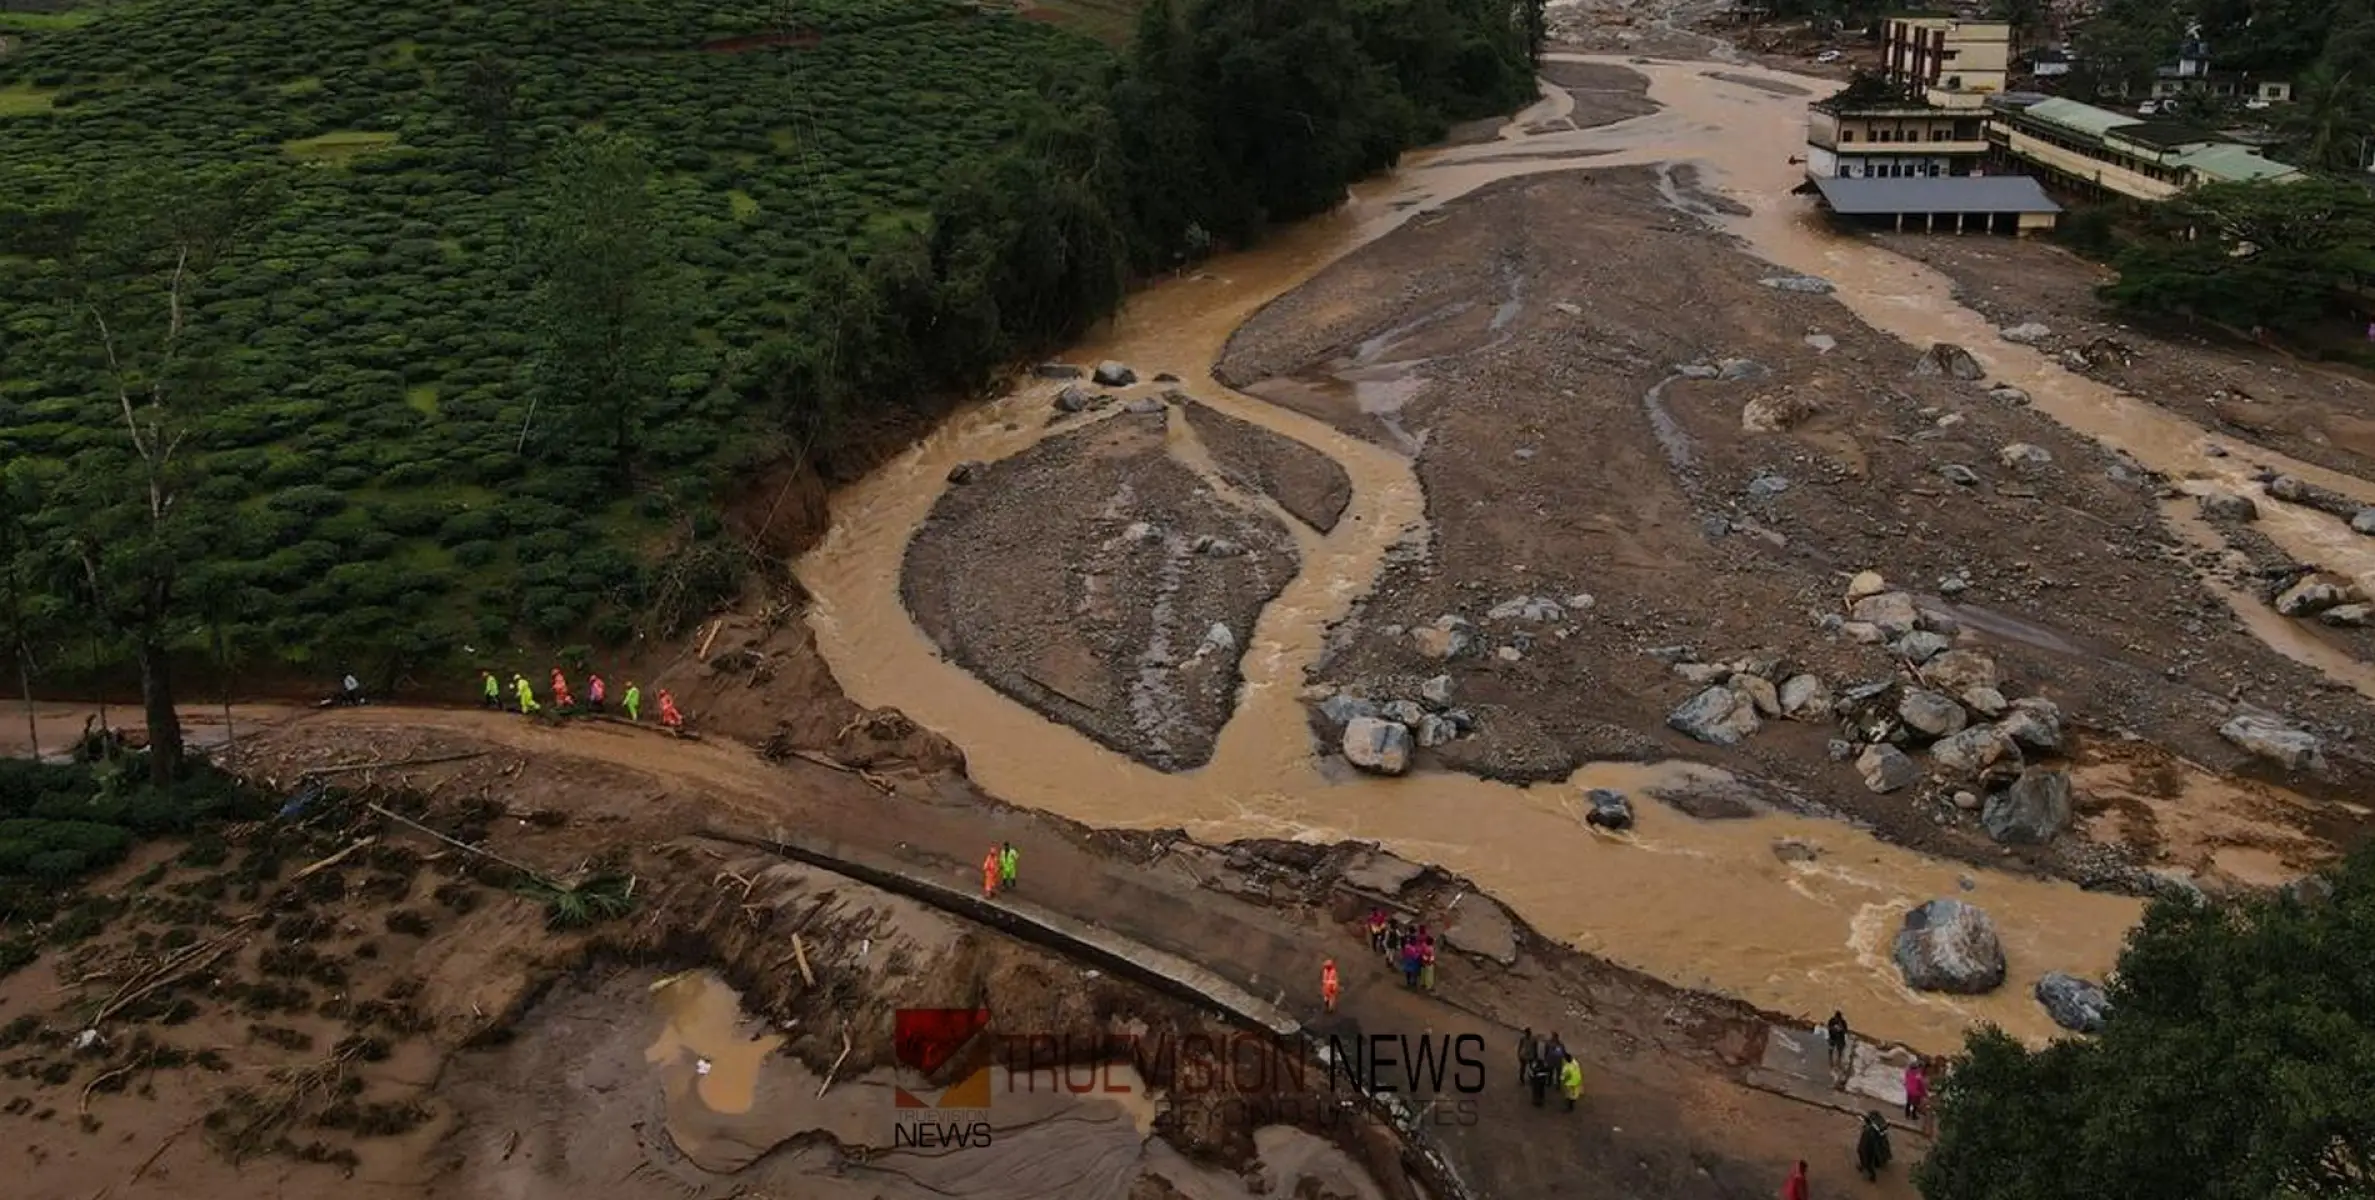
(378, 337)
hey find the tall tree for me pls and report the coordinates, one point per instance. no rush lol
(2238, 1061)
(28, 610)
(132, 258)
(2250, 254)
(611, 311)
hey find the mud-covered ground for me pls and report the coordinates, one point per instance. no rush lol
(402, 1021)
(1105, 582)
(1309, 485)
(1578, 367)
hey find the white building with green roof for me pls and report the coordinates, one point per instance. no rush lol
(2095, 149)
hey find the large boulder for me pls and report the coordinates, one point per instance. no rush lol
(1886, 769)
(1777, 412)
(2032, 811)
(1075, 398)
(1112, 374)
(1610, 809)
(1718, 716)
(2024, 457)
(1930, 712)
(1959, 671)
(1760, 692)
(1377, 746)
(2035, 723)
(2268, 736)
(2227, 506)
(2079, 1005)
(1343, 709)
(1949, 946)
(1449, 637)
(2027, 333)
(1920, 646)
(1951, 361)
(1893, 613)
(2310, 597)
(1973, 751)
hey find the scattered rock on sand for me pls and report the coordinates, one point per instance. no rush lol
(2270, 737)
(1074, 398)
(1448, 637)
(2035, 723)
(1341, 709)
(1113, 374)
(1920, 646)
(1985, 701)
(1893, 613)
(2005, 393)
(1718, 716)
(1931, 713)
(1378, 746)
(1973, 751)
(2363, 520)
(2227, 506)
(1950, 946)
(2033, 811)
(1704, 673)
(1961, 670)
(1865, 583)
(1760, 692)
(1143, 405)
(1885, 769)
(1056, 370)
(1790, 849)
(1436, 691)
(2075, 1004)
(1809, 284)
(1805, 698)
(965, 472)
(2027, 333)
(2310, 597)
(2021, 456)
(1537, 609)
(1434, 731)
(1863, 633)
(1778, 412)
(2292, 489)
(1404, 712)
(1610, 809)
(1951, 361)
(1959, 475)
(1483, 928)
(1822, 343)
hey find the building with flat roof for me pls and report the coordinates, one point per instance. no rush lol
(2109, 153)
(1948, 62)
(1970, 204)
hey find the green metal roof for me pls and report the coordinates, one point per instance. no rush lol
(2079, 118)
(2225, 162)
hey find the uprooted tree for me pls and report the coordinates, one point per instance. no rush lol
(2238, 1061)
(129, 258)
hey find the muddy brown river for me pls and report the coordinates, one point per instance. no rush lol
(1698, 903)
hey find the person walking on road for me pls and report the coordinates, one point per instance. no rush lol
(1526, 1049)
(1328, 983)
(633, 701)
(594, 694)
(490, 690)
(1410, 963)
(989, 874)
(1835, 1030)
(561, 690)
(1377, 930)
(1917, 1089)
(527, 694)
(1571, 1081)
(1538, 1079)
(1794, 1188)
(668, 715)
(1426, 963)
(1010, 861)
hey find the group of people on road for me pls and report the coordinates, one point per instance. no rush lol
(1407, 947)
(998, 869)
(522, 698)
(1543, 1063)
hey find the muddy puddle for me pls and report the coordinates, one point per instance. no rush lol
(1698, 903)
(666, 1088)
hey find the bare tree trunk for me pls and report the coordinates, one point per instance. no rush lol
(24, 679)
(164, 724)
(222, 659)
(102, 686)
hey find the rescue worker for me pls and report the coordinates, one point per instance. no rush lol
(561, 690)
(594, 694)
(1571, 1081)
(989, 874)
(527, 695)
(1328, 983)
(490, 690)
(633, 701)
(668, 714)
(1010, 860)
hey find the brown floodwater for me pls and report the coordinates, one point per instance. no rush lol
(1698, 903)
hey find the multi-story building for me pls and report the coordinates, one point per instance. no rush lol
(2098, 151)
(1926, 116)
(1949, 63)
